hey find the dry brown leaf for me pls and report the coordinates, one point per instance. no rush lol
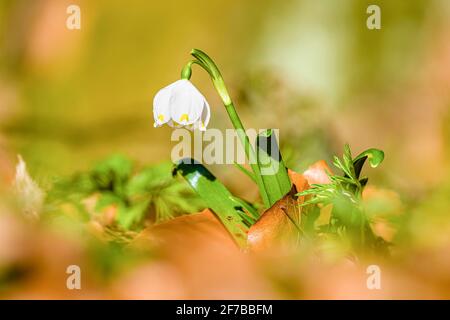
(149, 281)
(298, 180)
(317, 173)
(202, 226)
(275, 224)
(204, 258)
(44, 255)
(388, 204)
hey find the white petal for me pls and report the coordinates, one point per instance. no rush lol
(161, 105)
(186, 103)
(202, 123)
(173, 124)
(206, 114)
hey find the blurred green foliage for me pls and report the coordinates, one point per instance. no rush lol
(149, 194)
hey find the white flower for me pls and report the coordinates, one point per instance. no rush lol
(181, 104)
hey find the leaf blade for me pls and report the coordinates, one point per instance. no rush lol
(216, 196)
(276, 181)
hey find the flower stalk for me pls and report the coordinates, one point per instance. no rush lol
(204, 61)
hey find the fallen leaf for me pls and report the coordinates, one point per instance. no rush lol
(152, 280)
(202, 226)
(317, 173)
(298, 180)
(282, 220)
(276, 224)
(382, 206)
(204, 259)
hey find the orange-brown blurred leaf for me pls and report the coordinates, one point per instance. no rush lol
(185, 230)
(204, 258)
(317, 173)
(278, 223)
(298, 180)
(382, 206)
(282, 220)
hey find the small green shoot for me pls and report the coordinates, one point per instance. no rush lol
(344, 193)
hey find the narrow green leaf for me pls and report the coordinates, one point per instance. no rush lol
(216, 196)
(247, 206)
(248, 221)
(247, 172)
(273, 171)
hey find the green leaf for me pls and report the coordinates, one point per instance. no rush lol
(248, 207)
(246, 172)
(273, 171)
(150, 181)
(344, 194)
(166, 195)
(375, 157)
(149, 194)
(112, 174)
(107, 199)
(217, 197)
(128, 216)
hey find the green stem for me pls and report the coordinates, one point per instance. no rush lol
(203, 60)
(249, 151)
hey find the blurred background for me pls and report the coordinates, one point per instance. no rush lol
(310, 68)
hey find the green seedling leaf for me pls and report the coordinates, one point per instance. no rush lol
(149, 194)
(375, 157)
(246, 172)
(132, 214)
(247, 206)
(112, 174)
(216, 197)
(160, 194)
(344, 193)
(273, 171)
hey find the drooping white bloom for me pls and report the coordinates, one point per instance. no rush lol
(181, 104)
